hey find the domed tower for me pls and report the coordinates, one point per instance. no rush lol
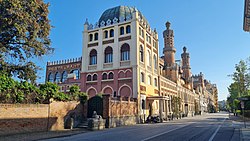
(169, 53)
(186, 67)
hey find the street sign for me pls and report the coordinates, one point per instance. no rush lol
(242, 104)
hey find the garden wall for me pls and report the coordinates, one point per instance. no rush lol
(22, 118)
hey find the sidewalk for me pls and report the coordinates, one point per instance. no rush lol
(41, 135)
(238, 121)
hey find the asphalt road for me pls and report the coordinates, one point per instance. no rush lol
(211, 127)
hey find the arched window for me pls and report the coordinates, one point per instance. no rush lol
(104, 76)
(141, 54)
(108, 55)
(149, 80)
(96, 36)
(155, 62)
(111, 33)
(93, 57)
(122, 30)
(105, 34)
(128, 29)
(89, 77)
(155, 82)
(64, 76)
(149, 59)
(142, 77)
(111, 75)
(50, 77)
(77, 73)
(90, 37)
(142, 33)
(125, 49)
(94, 77)
(57, 77)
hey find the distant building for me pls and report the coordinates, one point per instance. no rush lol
(121, 57)
(246, 21)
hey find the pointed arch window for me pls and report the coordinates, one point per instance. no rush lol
(64, 76)
(96, 36)
(94, 77)
(149, 58)
(122, 30)
(141, 54)
(105, 34)
(57, 77)
(155, 82)
(90, 37)
(89, 77)
(50, 77)
(108, 55)
(111, 75)
(155, 62)
(125, 52)
(76, 72)
(142, 77)
(104, 76)
(111, 33)
(93, 57)
(128, 29)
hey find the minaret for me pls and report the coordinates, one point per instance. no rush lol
(186, 64)
(169, 53)
(186, 67)
(169, 49)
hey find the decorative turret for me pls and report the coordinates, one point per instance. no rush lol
(186, 68)
(169, 49)
(169, 53)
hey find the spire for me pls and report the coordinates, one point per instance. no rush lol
(86, 22)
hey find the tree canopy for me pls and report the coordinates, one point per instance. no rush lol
(24, 35)
(240, 85)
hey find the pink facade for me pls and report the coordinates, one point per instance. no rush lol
(115, 82)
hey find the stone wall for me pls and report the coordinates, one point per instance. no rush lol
(21, 118)
(119, 111)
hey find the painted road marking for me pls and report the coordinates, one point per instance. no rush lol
(212, 137)
(164, 133)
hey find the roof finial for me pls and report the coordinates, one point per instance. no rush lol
(86, 22)
(184, 49)
(168, 24)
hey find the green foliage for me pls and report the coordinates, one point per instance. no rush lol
(83, 97)
(24, 33)
(48, 90)
(240, 85)
(60, 96)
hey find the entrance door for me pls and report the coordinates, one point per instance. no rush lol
(95, 104)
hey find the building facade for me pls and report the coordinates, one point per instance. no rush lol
(120, 57)
(246, 20)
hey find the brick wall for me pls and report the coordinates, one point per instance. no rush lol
(119, 111)
(21, 118)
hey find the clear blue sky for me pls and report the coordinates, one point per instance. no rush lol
(210, 29)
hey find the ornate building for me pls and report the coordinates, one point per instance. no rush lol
(246, 21)
(120, 56)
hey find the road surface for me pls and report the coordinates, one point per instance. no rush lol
(210, 127)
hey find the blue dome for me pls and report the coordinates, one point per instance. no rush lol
(116, 12)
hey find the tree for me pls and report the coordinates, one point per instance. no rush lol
(241, 78)
(24, 35)
(74, 91)
(48, 90)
